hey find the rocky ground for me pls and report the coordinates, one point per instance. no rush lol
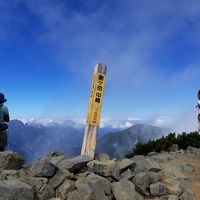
(173, 175)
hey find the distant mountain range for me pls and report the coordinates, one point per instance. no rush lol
(33, 140)
(118, 144)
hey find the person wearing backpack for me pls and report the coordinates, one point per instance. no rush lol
(198, 106)
(4, 119)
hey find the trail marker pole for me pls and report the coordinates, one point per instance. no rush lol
(94, 111)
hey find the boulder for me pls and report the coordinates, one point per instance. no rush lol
(37, 183)
(126, 164)
(89, 179)
(9, 175)
(174, 147)
(172, 186)
(154, 177)
(46, 192)
(145, 164)
(128, 174)
(102, 157)
(58, 159)
(163, 157)
(43, 169)
(193, 150)
(171, 171)
(108, 168)
(75, 164)
(53, 155)
(172, 197)
(15, 189)
(141, 182)
(10, 160)
(157, 189)
(124, 190)
(138, 196)
(187, 195)
(59, 178)
(89, 191)
(153, 153)
(55, 199)
(67, 187)
(188, 168)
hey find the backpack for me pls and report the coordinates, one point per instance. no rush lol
(3, 126)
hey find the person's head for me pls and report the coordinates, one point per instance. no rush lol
(2, 98)
(198, 95)
(198, 117)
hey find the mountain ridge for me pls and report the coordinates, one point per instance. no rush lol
(118, 144)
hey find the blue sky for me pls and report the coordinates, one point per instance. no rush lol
(48, 50)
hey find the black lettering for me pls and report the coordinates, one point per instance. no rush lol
(98, 94)
(97, 100)
(99, 87)
(101, 77)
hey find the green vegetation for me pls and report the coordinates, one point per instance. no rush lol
(163, 144)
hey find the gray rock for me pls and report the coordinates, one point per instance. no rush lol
(102, 157)
(57, 160)
(36, 182)
(171, 171)
(141, 182)
(154, 177)
(138, 196)
(75, 164)
(126, 164)
(188, 168)
(82, 174)
(124, 190)
(157, 189)
(105, 184)
(15, 189)
(67, 187)
(172, 186)
(91, 191)
(9, 174)
(110, 197)
(10, 160)
(146, 164)
(128, 174)
(162, 157)
(192, 150)
(46, 192)
(187, 195)
(152, 153)
(174, 147)
(43, 169)
(153, 165)
(184, 184)
(59, 178)
(108, 168)
(173, 197)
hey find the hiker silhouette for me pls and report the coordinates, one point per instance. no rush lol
(4, 119)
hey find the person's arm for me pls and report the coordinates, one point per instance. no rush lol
(6, 118)
(6, 115)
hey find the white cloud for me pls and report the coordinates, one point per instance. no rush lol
(128, 44)
(185, 122)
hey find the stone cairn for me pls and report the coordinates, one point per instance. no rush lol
(57, 177)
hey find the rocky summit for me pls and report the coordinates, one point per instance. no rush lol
(173, 175)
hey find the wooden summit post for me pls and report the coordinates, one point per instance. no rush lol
(94, 111)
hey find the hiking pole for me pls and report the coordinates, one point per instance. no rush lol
(94, 111)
